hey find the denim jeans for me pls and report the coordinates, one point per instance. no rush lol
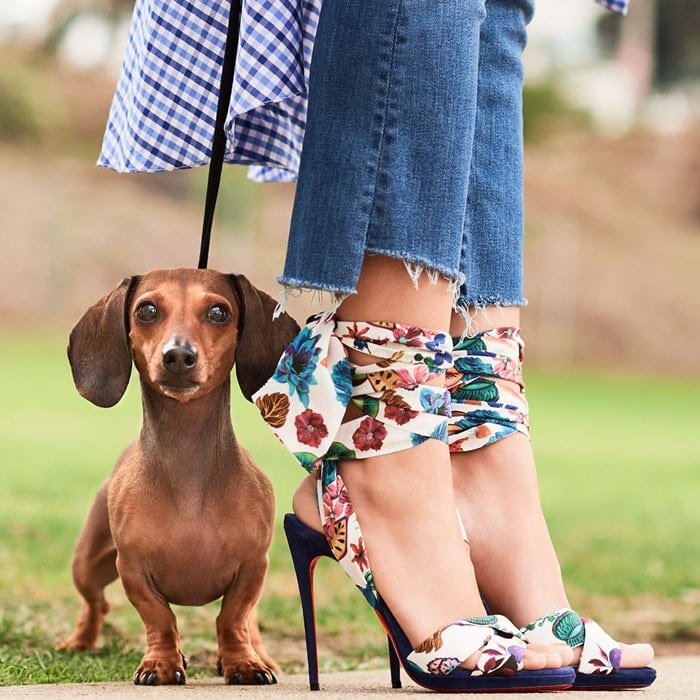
(413, 146)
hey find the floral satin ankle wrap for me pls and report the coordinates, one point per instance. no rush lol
(486, 386)
(324, 409)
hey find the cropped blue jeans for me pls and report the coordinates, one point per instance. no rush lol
(413, 147)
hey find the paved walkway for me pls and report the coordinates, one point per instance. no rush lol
(679, 677)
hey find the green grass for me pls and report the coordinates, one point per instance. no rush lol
(619, 465)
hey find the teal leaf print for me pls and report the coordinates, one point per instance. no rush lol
(307, 460)
(475, 418)
(474, 366)
(478, 390)
(368, 405)
(475, 344)
(339, 451)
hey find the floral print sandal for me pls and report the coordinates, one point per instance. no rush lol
(325, 409)
(599, 667)
(489, 404)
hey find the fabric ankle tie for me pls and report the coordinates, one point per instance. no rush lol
(306, 400)
(486, 386)
(324, 408)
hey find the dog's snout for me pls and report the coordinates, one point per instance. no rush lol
(179, 357)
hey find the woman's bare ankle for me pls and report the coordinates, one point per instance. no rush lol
(305, 503)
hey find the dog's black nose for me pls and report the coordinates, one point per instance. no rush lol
(179, 358)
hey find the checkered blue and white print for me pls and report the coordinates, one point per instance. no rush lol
(620, 6)
(164, 109)
(163, 112)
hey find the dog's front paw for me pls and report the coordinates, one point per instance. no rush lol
(246, 671)
(77, 642)
(161, 671)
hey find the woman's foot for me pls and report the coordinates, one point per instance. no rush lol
(521, 580)
(497, 495)
(397, 546)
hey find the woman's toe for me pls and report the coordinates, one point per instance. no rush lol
(636, 655)
(535, 661)
(557, 654)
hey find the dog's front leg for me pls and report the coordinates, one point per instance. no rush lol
(239, 662)
(163, 663)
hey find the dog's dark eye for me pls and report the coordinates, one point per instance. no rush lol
(146, 312)
(218, 314)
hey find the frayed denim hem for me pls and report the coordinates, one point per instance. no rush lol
(295, 287)
(414, 269)
(470, 309)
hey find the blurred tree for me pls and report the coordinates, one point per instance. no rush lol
(671, 31)
(677, 41)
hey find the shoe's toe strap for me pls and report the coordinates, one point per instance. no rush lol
(600, 653)
(500, 642)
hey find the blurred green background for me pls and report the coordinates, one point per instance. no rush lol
(613, 328)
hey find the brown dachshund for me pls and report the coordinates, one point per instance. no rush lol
(186, 516)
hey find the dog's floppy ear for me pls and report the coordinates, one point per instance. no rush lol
(261, 341)
(98, 349)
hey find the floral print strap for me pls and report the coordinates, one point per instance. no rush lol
(486, 386)
(324, 409)
(600, 652)
(306, 399)
(500, 642)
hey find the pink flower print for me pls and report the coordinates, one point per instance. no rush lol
(507, 370)
(407, 335)
(405, 380)
(310, 428)
(360, 555)
(336, 503)
(411, 378)
(333, 508)
(369, 435)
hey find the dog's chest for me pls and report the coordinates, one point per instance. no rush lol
(190, 552)
(195, 564)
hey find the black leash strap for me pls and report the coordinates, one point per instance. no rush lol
(218, 147)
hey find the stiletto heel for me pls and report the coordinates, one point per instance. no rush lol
(306, 550)
(394, 665)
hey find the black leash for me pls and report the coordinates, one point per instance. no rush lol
(218, 147)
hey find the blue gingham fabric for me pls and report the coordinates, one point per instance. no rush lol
(164, 108)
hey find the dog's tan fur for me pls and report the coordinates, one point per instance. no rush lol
(186, 516)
